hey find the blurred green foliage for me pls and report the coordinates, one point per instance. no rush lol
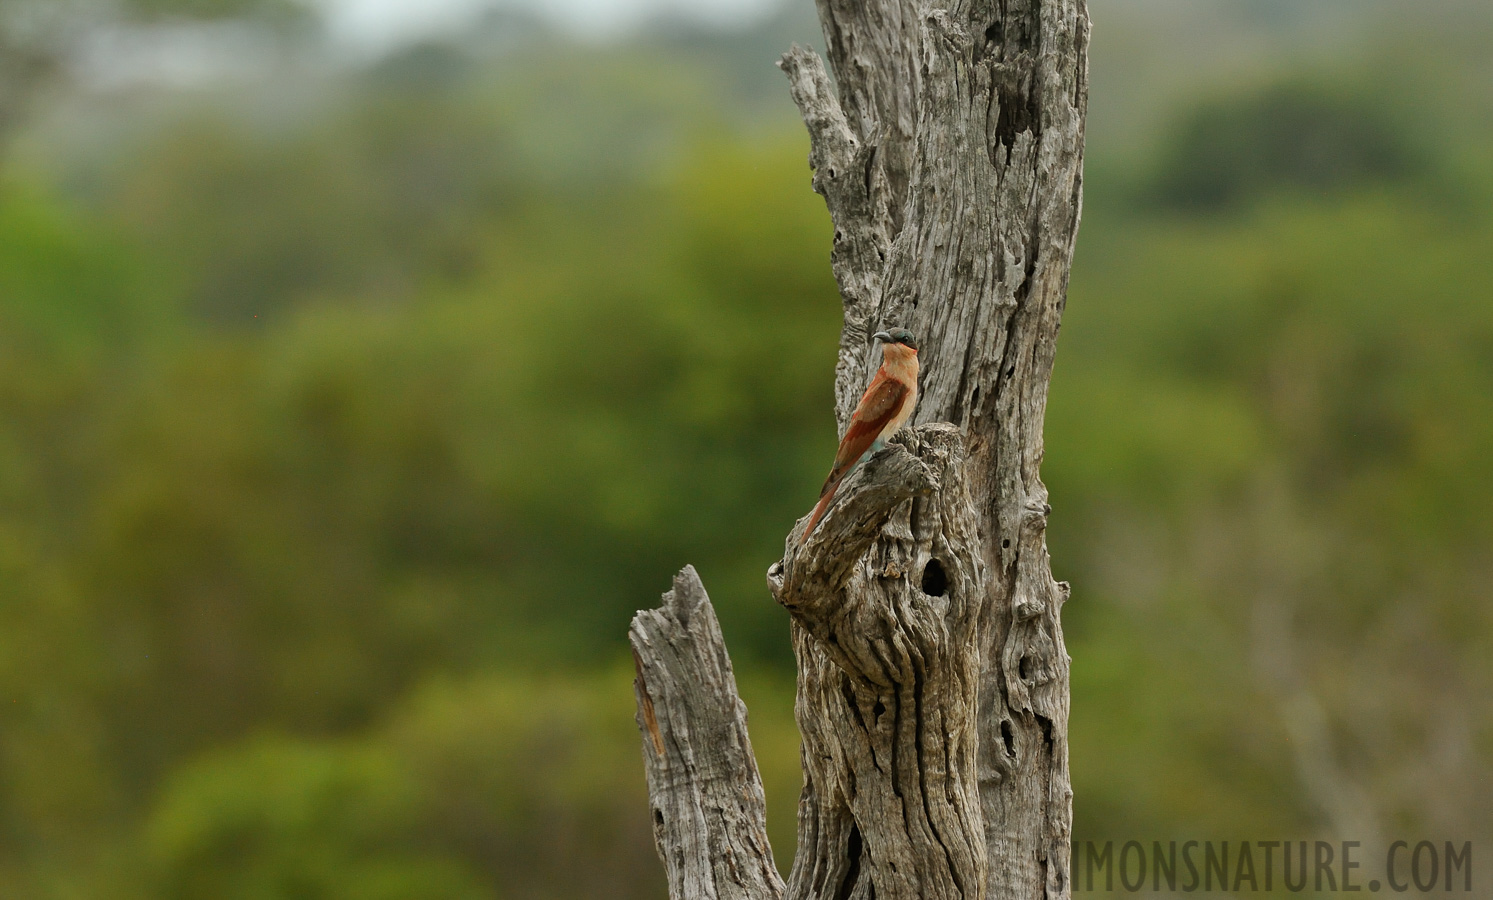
(1295, 137)
(335, 457)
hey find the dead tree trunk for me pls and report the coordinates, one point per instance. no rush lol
(933, 682)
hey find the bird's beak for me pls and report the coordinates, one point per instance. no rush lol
(882, 336)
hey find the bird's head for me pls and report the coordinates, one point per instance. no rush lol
(898, 336)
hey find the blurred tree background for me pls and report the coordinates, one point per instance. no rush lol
(350, 403)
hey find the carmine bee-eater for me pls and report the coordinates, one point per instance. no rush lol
(884, 409)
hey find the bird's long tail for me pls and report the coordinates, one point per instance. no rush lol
(825, 496)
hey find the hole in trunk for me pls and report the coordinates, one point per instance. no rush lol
(935, 580)
(1008, 738)
(853, 872)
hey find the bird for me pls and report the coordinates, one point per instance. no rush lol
(885, 407)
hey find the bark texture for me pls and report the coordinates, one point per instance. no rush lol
(933, 681)
(709, 813)
(886, 596)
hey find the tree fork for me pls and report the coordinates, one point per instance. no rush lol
(933, 681)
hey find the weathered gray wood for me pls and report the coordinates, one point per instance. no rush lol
(933, 699)
(709, 814)
(846, 173)
(977, 268)
(889, 658)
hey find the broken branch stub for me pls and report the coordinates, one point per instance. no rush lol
(709, 812)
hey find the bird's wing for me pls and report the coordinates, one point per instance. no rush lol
(878, 406)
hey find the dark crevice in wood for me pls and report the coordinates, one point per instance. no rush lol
(934, 581)
(1018, 114)
(848, 692)
(995, 33)
(922, 775)
(853, 852)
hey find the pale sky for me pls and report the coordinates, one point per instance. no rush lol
(183, 55)
(383, 22)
